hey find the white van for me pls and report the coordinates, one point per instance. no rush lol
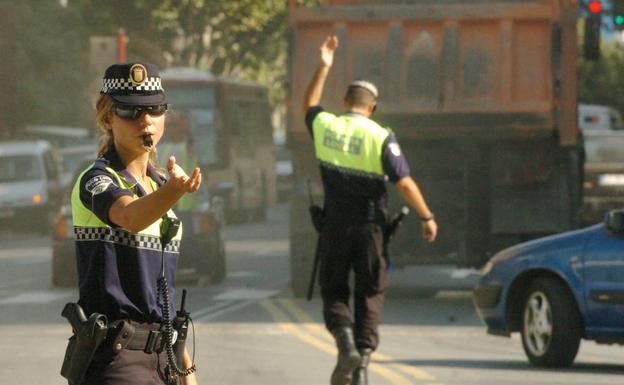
(596, 117)
(30, 185)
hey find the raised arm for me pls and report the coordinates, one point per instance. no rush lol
(314, 91)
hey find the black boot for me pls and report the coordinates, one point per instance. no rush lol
(360, 374)
(348, 356)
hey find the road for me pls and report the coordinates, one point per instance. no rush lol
(250, 330)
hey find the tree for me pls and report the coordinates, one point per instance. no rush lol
(42, 67)
(602, 82)
(243, 38)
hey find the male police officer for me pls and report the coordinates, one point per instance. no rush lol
(356, 155)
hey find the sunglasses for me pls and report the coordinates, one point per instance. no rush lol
(135, 112)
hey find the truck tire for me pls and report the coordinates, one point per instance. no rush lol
(551, 324)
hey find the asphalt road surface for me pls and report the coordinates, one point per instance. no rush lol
(250, 330)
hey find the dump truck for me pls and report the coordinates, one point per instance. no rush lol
(481, 95)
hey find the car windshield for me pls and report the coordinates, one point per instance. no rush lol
(17, 168)
(604, 149)
(72, 160)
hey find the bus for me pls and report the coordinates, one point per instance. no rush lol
(227, 127)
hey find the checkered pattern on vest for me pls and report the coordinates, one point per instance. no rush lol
(123, 237)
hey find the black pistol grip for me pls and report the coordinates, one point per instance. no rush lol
(75, 315)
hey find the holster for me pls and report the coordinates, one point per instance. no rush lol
(82, 347)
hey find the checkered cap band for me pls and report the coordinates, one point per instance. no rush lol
(123, 237)
(126, 85)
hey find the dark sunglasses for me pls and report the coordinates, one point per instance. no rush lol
(135, 112)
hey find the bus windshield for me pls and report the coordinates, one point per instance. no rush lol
(192, 120)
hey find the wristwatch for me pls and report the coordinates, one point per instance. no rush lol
(427, 219)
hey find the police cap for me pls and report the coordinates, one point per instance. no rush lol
(136, 84)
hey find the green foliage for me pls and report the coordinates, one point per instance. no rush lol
(602, 82)
(243, 38)
(42, 67)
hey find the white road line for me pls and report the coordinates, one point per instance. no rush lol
(14, 253)
(18, 282)
(228, 309)
(241, 274)
(34, 297)
(211, 312)
(246, 294)
(206, 310)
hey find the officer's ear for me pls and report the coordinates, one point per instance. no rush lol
(372, 108)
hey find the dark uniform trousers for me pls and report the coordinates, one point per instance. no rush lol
(357, 246)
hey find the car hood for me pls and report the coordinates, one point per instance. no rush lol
(568, 243)
(20, 193)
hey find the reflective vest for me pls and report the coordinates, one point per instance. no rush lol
(88, 226)
(350, 143)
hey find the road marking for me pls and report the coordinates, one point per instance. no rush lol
(17, 282)
(246, 294)
(286, 324)
(203, 311)
(34, 297)
(214, 314)
(302, 317)
(241, 274)
(30, 252)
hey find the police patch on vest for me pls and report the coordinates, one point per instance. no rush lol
(394, 149)
(98, 184)
(352, 145)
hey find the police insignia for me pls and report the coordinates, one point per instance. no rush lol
(98, 184)
(395, 149)
(138, 74)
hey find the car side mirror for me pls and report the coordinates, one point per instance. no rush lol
(614, 221)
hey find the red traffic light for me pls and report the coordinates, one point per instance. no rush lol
(595, 6)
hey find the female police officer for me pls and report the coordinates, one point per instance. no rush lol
(118, 205)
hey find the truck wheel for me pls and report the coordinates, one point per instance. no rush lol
(551, 324)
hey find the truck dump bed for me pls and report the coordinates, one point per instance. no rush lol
(470, 67)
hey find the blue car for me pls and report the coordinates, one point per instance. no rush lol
(557, 290)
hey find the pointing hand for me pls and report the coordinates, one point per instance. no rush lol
(180, 180)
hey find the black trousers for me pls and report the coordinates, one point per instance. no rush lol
(357, 247)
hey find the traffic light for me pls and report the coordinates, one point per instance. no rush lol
(594, 6)
(591, 38)
(618, 14)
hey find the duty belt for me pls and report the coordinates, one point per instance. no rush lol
(125, 335)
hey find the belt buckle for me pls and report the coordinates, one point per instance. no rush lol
(154, 340)
(157, 339)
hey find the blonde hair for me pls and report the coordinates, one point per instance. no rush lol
(103, 114)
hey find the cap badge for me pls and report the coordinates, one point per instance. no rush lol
(138, 74)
